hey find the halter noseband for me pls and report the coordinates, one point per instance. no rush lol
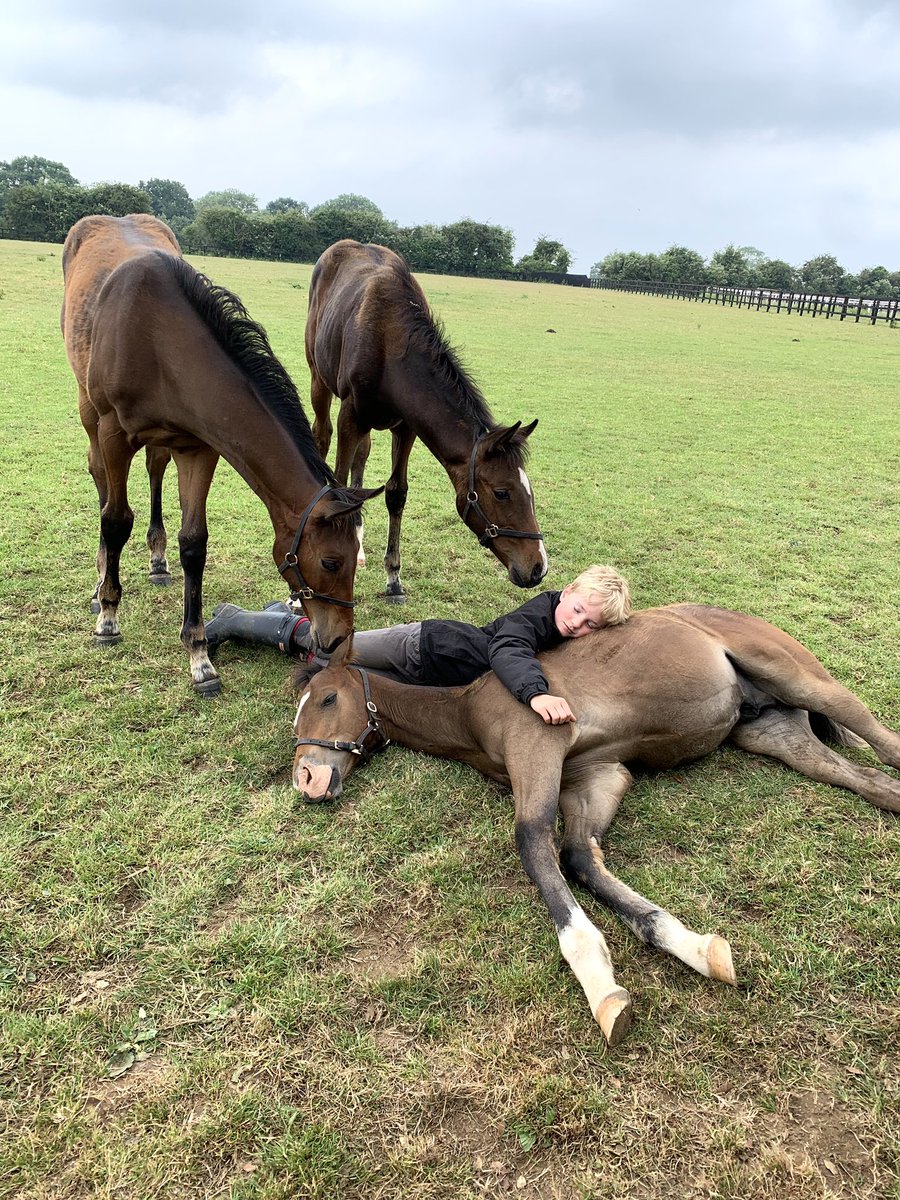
(491, 531)
(370, 741)
(292, 562)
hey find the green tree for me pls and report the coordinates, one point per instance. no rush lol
(822, 274)
(117, 199)
(285, 204)
(241, 202)
(30, 169)
(776, 274)
(678, 264)
(224, 231)
(547, 255)
(333, 222)
(351, 202)
(479, 249)
(169, 200)
(730, 267)
(292, 236)
(43, 212)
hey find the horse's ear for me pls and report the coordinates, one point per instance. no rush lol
(497, 440)
(343, 654)
(353, 499)
(527, 430)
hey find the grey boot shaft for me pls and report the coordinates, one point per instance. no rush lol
(271, 627)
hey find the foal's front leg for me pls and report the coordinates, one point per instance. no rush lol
(588, 807)
(195, 473)
(581, 943)
(116, 523)
(395, 493)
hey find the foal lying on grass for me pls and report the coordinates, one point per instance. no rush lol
(669, 685)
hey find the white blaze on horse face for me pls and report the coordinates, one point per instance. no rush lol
(360, 553)
(526, 484)
(303, 700)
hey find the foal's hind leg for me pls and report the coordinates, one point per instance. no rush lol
(320, 396)
(195, 473)
(785, 734)
(395, 492)
(357, 476)
(587, 810)
(97, 471)
(116, 523)
(157, 461)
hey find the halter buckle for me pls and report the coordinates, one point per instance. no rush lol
(491, 531)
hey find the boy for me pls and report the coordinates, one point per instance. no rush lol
(448, 653)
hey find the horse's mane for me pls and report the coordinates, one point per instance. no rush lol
(247, 345)
(427, 334)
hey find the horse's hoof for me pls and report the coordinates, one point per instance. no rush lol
(391, 598)
(613, 1015)
(161, 580)
(95, 606)
(721, 966)
(208, 687)
(105, 639)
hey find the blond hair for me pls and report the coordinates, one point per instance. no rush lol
(605, 587)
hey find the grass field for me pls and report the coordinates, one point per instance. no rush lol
(211, 990)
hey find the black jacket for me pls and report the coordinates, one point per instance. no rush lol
(453, 652)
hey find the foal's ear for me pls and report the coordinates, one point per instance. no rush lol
(527, 430)
(498, 440)
(343, 654)
(353, 500)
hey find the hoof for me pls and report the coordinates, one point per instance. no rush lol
(613, 1015)
(208, 687)
(391, 598)
(105, 639)
(95, 606)
(718, 955)
(161, 580)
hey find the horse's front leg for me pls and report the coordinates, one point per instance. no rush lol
(89, 419)
(536, 791)
(589, 800)
(195, 473)
(157, 460)
(320, 397)
(116, 523)
(395, 493)
(357, 476)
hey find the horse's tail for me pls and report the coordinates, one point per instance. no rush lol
(827, 730)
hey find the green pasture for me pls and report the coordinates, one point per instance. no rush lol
(211, 990)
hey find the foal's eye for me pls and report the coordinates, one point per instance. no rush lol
(330, 699)
(501, 494)
(331, 564)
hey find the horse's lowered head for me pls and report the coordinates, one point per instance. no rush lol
(320, 566)
(494, 498)
(336, 727)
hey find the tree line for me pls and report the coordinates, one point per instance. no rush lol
(40, 200)
(745, 266)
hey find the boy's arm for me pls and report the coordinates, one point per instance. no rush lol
(554, 710)
(514, 647)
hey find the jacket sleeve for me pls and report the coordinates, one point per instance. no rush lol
(513, 649)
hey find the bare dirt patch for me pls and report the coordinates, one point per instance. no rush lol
(150, 1076)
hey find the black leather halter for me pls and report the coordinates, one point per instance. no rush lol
(370, 741)
(491, 531)
(292, 562)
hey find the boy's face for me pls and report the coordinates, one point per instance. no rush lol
(576, 615)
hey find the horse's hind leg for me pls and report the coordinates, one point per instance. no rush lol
(785, 734)
(97, 471)
(195, 473)
(357, 475)
(320, 397)
(395, 493)
(157, 460)
(587, 808)
(116, 523)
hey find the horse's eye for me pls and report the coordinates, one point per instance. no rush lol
(330, 699)
(331, 564)
(501, 493)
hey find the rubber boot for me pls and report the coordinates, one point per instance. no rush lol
(277, 625)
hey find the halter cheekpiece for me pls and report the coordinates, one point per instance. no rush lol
(370, 741)
(292, 561)
(491, 530)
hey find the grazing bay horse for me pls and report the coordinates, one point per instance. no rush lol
(668, 686)
(166, 359)
(372, 341)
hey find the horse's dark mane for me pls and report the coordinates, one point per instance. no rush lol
(246, 344)
(428, 335)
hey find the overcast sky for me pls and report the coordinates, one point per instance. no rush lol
(605, 124)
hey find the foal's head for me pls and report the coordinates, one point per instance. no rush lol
(336, 727)
(495, 500)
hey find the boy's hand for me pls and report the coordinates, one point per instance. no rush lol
(553, 709)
